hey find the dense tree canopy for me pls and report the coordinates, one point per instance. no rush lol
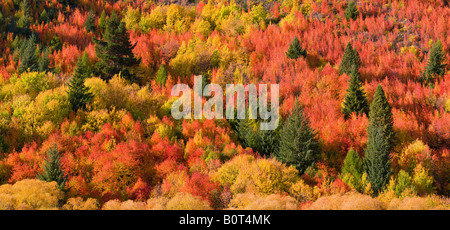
(364, 113)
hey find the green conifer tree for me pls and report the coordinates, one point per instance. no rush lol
(102, 21)
(115, 50)
(377, 160)
(248, 133)
(349, 61)
(352, 11)
(435, 67)
(44, 62)
(23, 24)
(90, 22)
(299, 145)
(79, 94)
(28, 57)
(380, 133)
(295, 50)
(269, 142)
(44, 16)
(355, 99)
(380, 115)
(53, 169)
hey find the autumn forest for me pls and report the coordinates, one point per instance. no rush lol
(86, 122)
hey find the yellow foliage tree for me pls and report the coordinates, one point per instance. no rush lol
(77, 203)
(186, 201)
(252, 201)
(30, 194)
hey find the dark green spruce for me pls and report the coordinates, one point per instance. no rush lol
(90, 22)
(295, 50)
(79, 94)
(349, 61)
(299, 145)
(355, 100)
(28, 58)
(53, 170)
(115, 50)
(44, 62)
(351, 12)
(435, 67)
(381, 140)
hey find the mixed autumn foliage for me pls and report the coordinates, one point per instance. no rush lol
(85, 112)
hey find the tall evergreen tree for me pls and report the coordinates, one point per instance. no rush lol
(380, 115)
(102, 21)
(380, 133)
(28, 57)
(23, 24)
(351, 12)
(53, 169)
(435, 67)
(79, 94)
(269, 142)
(355, 99)
(377, 160)
(295, 50)
(90, 22)
(44, 62)
(349, 61)
(248, 133)
(115, 50)
(299, 145)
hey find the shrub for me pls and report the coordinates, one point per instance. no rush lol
(77, 203)
(186, 201)
(30, 194)
(252, 201)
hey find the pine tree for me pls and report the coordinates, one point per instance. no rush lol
(299, 144)
(380, 115)
(380, 133)
(352, 11)
(435, 66)
(28, 57)
(53, 169)
(269, 142)
(44, 62)
(377, 160)
(349, 61)
(102, 21)
(295, 50)
(79, 94)
(44, 16)
(23, 24)
(248, 133)
(115, 50)
(161, 75)
(355, 99)
(90, 22)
